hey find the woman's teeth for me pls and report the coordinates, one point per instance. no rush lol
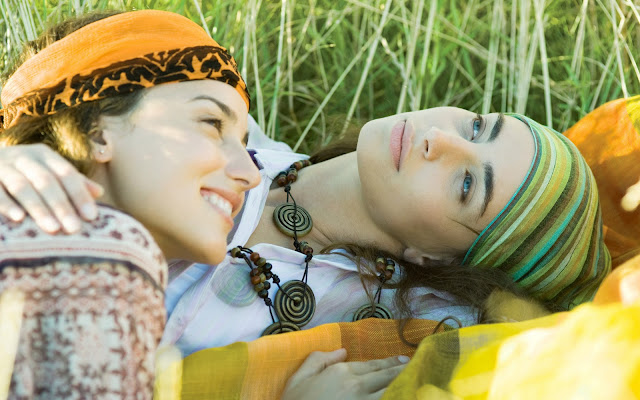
(219, 202)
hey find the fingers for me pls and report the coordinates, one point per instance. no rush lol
(365, 367)
(377, 381)
(18, 186)
(317, 362)
(9, 208)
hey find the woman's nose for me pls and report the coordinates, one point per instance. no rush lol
(241, 167)
(440, 145)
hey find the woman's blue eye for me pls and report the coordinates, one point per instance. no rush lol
(477, 124)
(466, 186)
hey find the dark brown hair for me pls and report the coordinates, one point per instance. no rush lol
(67, 132)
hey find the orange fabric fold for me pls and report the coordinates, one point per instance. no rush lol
(126, 51)
(609, 139)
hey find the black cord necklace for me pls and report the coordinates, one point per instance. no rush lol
(295, 303)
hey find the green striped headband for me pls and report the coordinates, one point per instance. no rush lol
(548, 237)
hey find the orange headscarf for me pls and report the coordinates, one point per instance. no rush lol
(117, 55)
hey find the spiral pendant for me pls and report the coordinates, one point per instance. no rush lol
(378, 311)
(295, 302)
(286, 219)
(280, 327)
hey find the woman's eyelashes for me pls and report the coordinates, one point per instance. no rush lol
(467, 183)
(476, 127)
(217, 123)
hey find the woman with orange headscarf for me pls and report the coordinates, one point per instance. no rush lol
(157, 114)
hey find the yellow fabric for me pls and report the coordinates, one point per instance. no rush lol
(260, 369)
(592, 351)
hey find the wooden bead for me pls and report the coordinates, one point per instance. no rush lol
(379, 268)
(262, 277)
(267, 267)
(259, 287)
(260, 262)
(254, 256)
(236, 252)
(267, 285)
(268, 275)
(254, 272)
(292, 175)
(387, 275)
(308, 250)
(255, 280)
(297, 165)
(381, 260)
(391, 268)
(281, 179)
(263, 294)
(306, 163)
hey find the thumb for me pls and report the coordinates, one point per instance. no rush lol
(317, 362)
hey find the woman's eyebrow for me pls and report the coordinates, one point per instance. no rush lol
(488, 187)
(497, 128)
(225, 109)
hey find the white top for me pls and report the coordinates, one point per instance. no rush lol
(212, 306)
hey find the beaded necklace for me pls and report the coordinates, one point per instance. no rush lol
(295, 303)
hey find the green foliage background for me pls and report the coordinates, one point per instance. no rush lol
(313, 66)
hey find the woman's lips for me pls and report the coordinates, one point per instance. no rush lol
(396, 143)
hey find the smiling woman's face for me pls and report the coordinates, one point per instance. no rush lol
(178, 164)
(434, 179)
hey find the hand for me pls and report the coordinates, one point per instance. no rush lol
(326, 376)
(36, 180)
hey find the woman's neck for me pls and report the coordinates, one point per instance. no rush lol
(330, 191)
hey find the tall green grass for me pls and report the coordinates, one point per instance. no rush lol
(314, 66)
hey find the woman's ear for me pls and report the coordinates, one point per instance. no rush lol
(419, 257)
(101, 144)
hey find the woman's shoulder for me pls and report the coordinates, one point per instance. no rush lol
(112, 236)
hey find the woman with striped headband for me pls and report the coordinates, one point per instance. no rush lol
(439, 191)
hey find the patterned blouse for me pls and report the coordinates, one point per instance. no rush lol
(80, 315)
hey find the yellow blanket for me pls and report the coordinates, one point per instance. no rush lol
(260, 369)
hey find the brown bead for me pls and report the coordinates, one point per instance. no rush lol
(292, 175)
(235, 252)
(297, 165)
(387, 275)
(281, 180)
(254, 272)
(308, 250)
(254, 256)
(306, 163)
(263, 294)
(267, 267)
(379, 268)
(260, 262)
(263, 277)
(255, 280)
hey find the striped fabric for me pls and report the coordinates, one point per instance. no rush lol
(548, 238)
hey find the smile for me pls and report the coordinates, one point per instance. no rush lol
(219, 202)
